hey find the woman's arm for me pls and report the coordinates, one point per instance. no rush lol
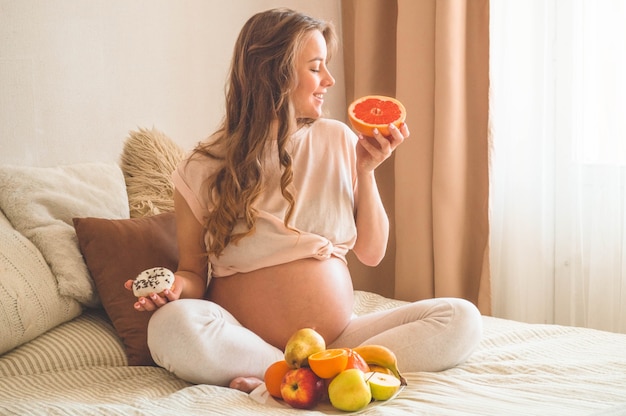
(191, 276)
(372, 222)
(192, 262)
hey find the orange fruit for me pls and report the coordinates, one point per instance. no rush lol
(273, 377)
(356, 361)
(376, 111)
(328, 363)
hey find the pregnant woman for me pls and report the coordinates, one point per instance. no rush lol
(266, 210)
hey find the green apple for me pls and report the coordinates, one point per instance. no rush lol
(349, 391)
(383, 386)
(301, 344)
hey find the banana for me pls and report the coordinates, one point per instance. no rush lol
(381, 356)
(374, 368)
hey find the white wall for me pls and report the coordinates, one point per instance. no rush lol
(76, 76)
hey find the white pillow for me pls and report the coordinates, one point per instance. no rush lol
(41, 202)
(30, 303)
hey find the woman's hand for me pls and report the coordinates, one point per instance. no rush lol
(372, 151)
(190, 278)
(155, 300)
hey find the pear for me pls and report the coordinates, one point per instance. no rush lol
(301, 344)
(382, 385)
(349, 391)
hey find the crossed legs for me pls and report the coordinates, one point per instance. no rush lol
(202, 343)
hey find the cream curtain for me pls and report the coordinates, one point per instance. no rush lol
(433, 56)
(559, 165)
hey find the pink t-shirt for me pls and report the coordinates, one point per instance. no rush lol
(324, 179)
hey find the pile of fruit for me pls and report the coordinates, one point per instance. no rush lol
(350, 378)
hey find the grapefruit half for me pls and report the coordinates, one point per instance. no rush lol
(376, 112)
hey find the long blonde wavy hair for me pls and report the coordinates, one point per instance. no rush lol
(258, 109)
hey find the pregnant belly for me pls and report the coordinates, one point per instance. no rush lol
(276, 301)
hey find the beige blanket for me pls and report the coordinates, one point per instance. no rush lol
(518, 369)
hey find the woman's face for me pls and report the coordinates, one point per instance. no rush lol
(313, 77)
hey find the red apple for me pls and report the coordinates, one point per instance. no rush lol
(324, 393)
(356, 361)
(302, 388)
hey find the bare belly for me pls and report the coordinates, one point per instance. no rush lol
(276, 301)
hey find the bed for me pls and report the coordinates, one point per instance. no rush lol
(519, 369)
(68, 348)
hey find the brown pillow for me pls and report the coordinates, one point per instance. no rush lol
(118, 250)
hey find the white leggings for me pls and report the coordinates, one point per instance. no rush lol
(201, 342)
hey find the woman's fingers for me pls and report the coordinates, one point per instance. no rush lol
(404, 129)
(397, 135)
(140, 305)
(150, 303)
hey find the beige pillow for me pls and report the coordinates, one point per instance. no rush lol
(30, 303)
(148, 159)
(41, 202)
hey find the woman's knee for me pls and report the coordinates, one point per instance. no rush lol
(468, 318)
(446, 334)
(184, 336)
(172, 317)
(466, 329)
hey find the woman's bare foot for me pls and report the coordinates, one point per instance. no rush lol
(245, 384)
